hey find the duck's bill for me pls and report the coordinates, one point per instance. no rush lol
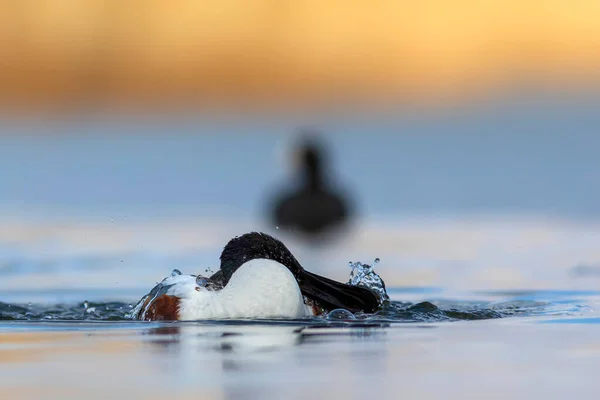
(331, 294)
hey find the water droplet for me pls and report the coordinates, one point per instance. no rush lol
(363, 275)
(340, 314)
(175, 272)
(201, 281)
(277, 227)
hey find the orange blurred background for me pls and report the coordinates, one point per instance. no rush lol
(129, 53)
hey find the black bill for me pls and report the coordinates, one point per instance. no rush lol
(331, 294)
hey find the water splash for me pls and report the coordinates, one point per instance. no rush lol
(87, 308)
(160, 289)
(363, 275)
(201, 281)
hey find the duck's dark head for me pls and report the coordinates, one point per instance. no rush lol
(255, 245)
(327, 293)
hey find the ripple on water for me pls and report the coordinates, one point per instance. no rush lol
(85, 311)
(390, 312)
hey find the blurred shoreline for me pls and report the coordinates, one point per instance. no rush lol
(114, 54)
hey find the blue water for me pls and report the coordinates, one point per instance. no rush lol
(486, 220)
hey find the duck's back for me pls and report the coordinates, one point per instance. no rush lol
(258, 289)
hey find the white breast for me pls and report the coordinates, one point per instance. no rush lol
(260, 288)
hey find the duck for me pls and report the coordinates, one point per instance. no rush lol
(316, 208)
(258, 278)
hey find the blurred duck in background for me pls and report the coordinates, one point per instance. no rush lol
(315, 208)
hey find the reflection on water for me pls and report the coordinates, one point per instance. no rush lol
(241, 338)
(503, 358)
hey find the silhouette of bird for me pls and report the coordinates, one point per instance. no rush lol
(315, 208)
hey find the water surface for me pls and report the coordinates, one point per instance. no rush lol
(487, 227)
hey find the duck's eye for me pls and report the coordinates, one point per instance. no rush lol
(201, 281)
